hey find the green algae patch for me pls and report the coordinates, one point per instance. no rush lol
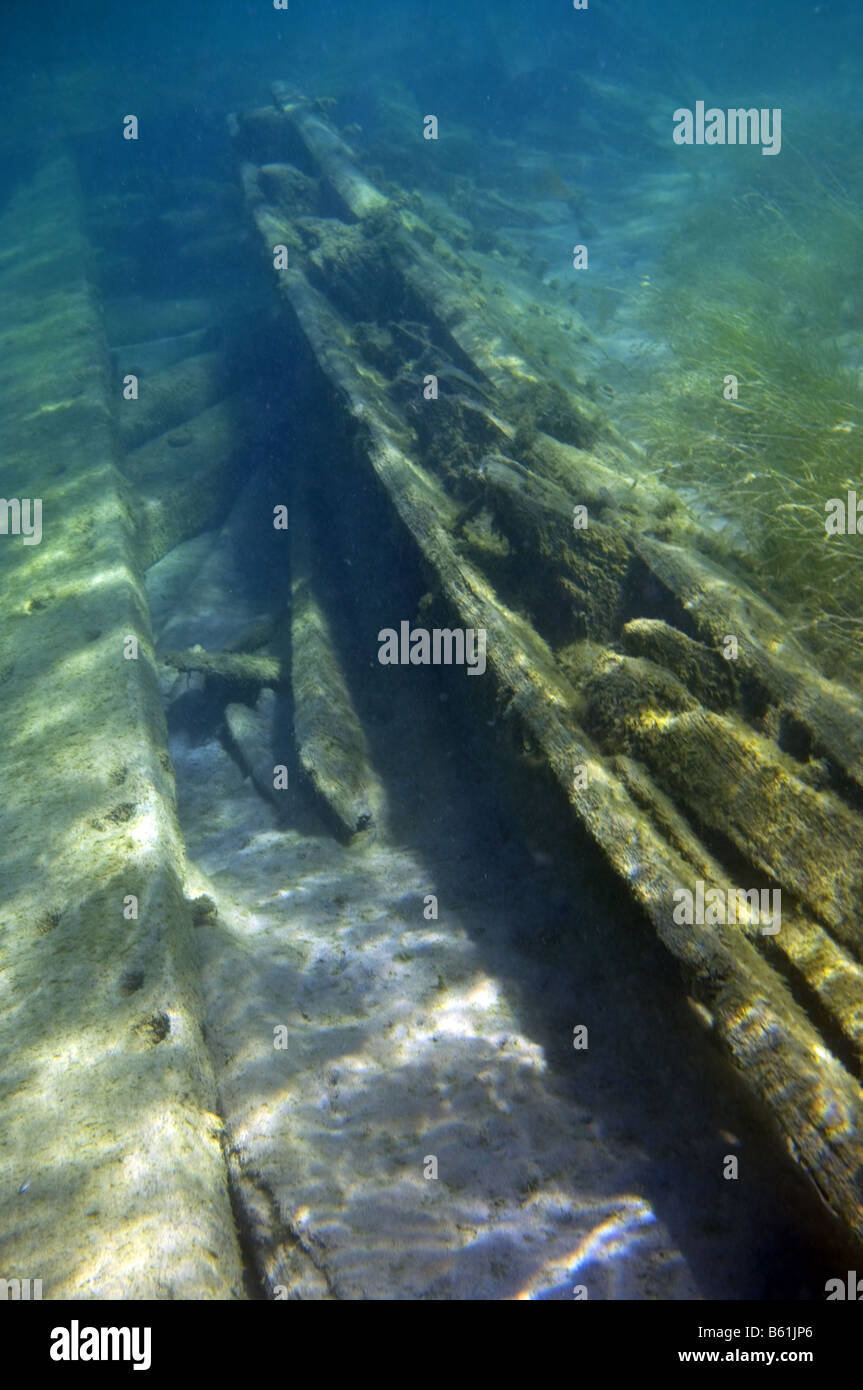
(781, 313)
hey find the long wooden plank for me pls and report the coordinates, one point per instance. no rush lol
(112, 1177)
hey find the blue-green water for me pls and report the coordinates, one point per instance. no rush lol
(537, 322)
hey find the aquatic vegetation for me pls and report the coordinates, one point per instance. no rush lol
(779, 311)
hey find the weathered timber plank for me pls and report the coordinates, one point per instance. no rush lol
(768, 1035)
(112, 1178)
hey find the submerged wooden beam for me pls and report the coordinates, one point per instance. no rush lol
(112, 1178)
(331, 745)
(487, 498)
(329, 152)
(172, 396)
(241, 668)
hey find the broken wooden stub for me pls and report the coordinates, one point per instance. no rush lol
(331, 745)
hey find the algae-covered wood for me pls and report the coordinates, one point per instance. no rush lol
(331, 744)
(696, 741)
(112, 1177)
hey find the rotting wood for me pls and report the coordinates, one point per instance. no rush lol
(113, 1184)
(253, 732)
(240, 668)
(171, 397)
(330, 741)
(183, 481)
(522, 489)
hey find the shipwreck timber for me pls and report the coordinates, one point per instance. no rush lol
(112, 1178)
(607, 646)
(608, 641)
